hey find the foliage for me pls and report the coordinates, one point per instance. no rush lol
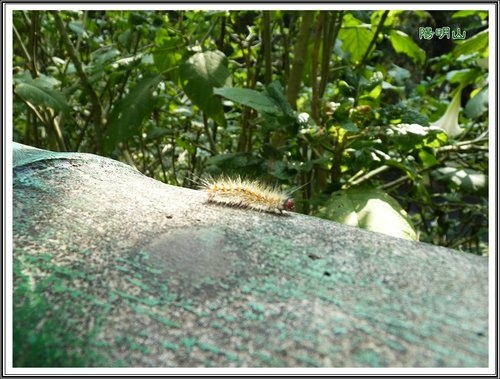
(365, 208)
(330, 102)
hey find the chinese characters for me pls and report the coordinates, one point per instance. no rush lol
(426, 32)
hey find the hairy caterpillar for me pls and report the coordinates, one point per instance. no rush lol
(247, 194)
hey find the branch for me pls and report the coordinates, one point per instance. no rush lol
(266, 45)
(464, 146)
(374, 39)
(97, 110)
(331, 33)
(370, 174)
(299, 58)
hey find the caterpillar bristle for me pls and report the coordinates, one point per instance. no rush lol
(237, 192)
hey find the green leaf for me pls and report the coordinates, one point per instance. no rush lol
(78, 28)
(248, 97)
(477, 43)
(105, 55)
(477, 105)
(392, 16)
(427, 157)
(156, 132)
(168, 56)
(463, 178)
(355, 37)
(402, 43)
(276, 93)
(469, 13)
(464, 76)
(200, 74)
(399, 74)
(127, 115)
(39, 92)
(136, 18)
(370, 209)
(372, 98)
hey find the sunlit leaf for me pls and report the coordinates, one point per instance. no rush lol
(402, 43)
(468, 13)
(355, 37)
(370, 209)
(428, 158)
(477, 43)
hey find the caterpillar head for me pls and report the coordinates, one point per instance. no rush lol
(288, 204)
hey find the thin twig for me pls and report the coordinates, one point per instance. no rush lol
(97, 110)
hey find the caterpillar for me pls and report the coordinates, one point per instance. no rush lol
(247, 194)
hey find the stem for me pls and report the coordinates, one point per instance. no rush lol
(209, 135)
(369, 175)
(300, 54)
(374, 39)
(314, 68)
(24, 51)
(160, 160)
(266, 45)
(33, 42)
(331, 33)
(94, 99)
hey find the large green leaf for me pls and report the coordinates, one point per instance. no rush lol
(370, 209)
(128, 114)
(402, 43)
(355, 37)
(200, 74)
(248, 97)
(477, 43)
(39, 92)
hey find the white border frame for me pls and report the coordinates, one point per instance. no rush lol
(8, 8)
